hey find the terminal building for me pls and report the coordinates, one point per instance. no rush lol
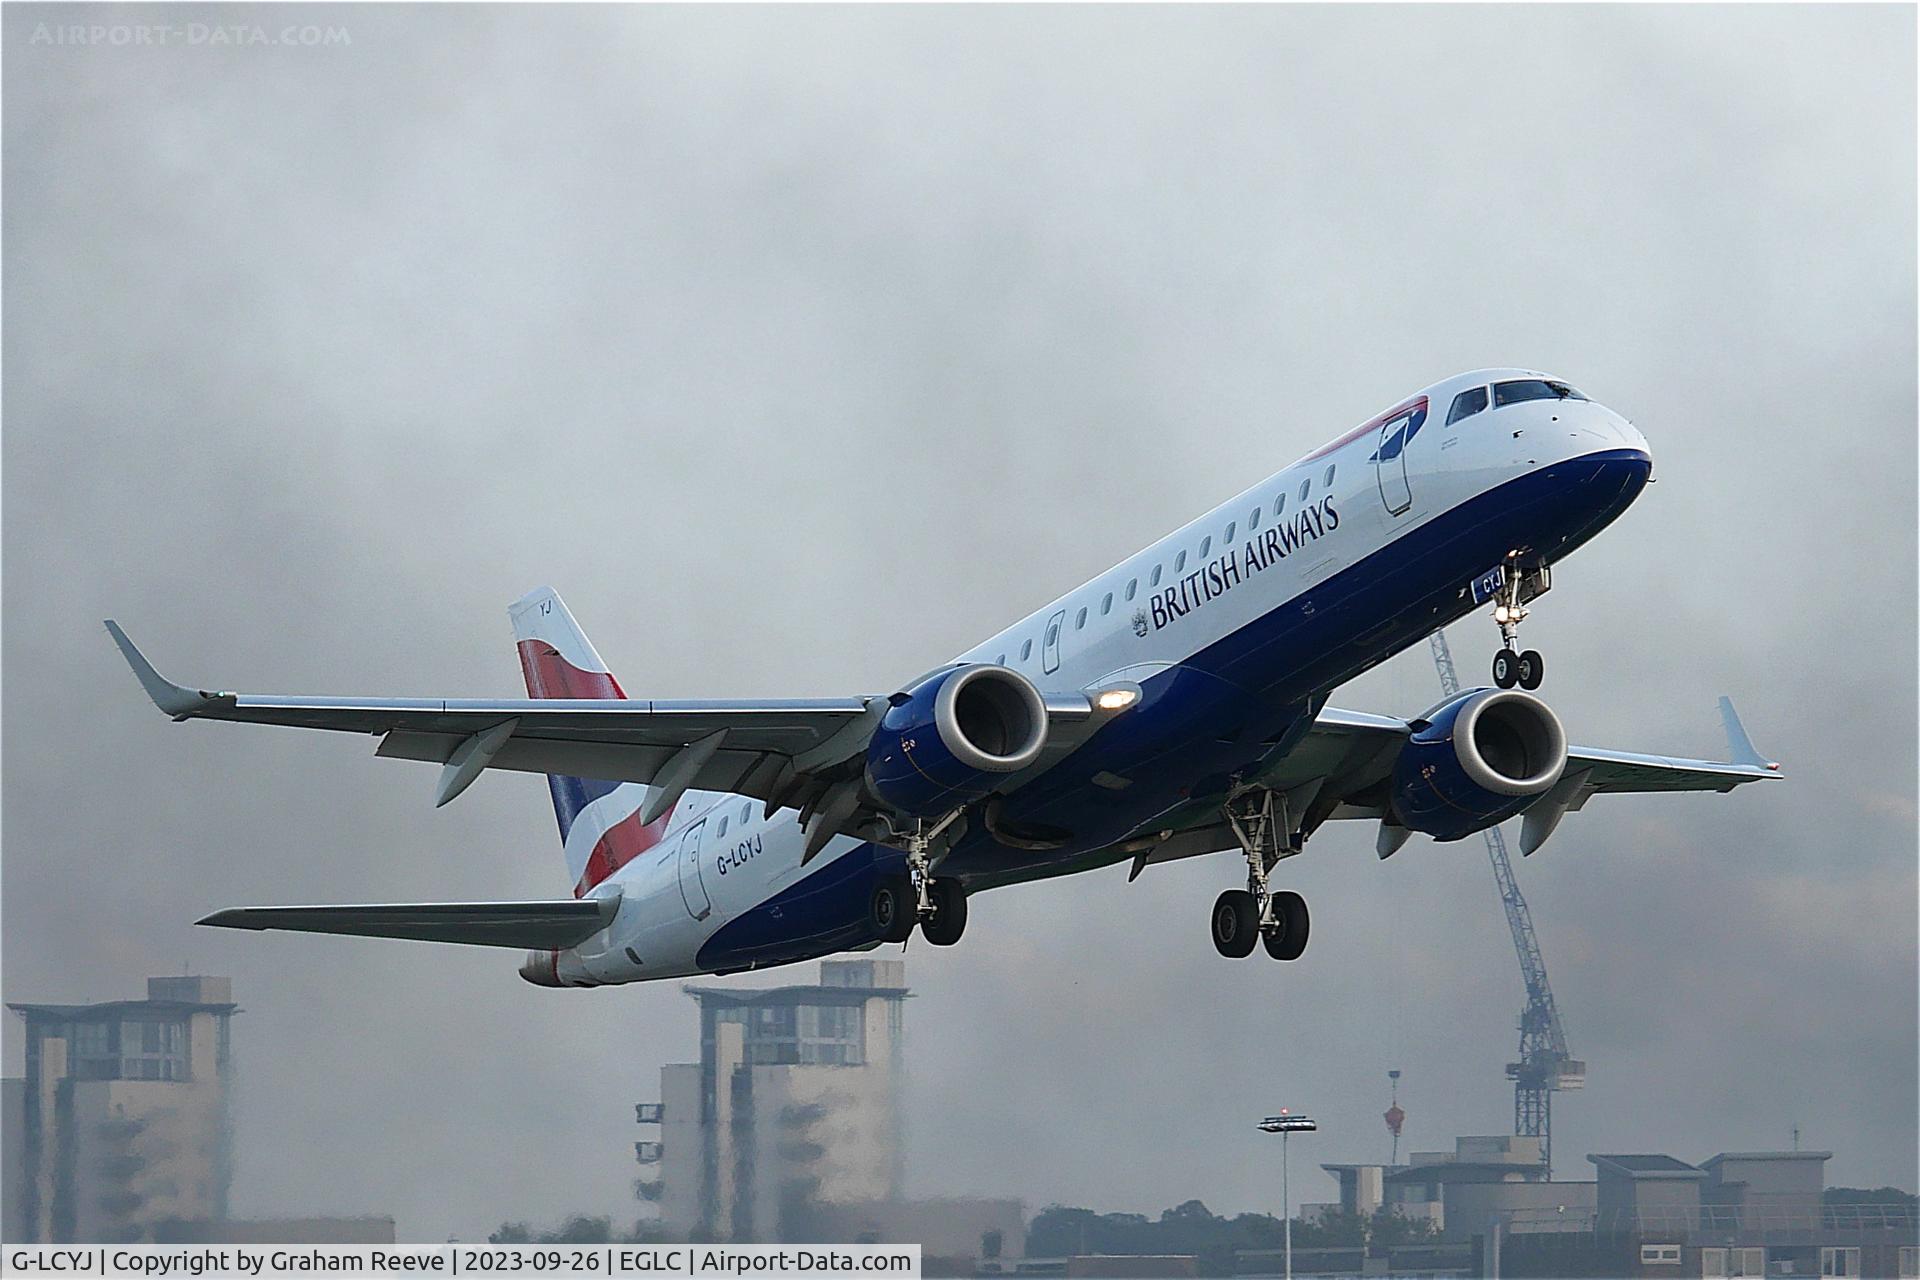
(1481, 1175)
(791, 1128)
(1751, 1213)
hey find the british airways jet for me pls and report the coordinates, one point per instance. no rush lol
(1173, 706)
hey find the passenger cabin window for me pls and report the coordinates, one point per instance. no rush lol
(745, 809)
(723, 829)
(1180, 562)
(1080, 619)
(1253, 521)
(1466, 404)
(1304, 486)
(1132, 585)
(1206, 546)
(1279, 504)
(1156, 577)
(1231, 526)
(1000, 661)
(1106, 605)
(1326, 481)
(1053, 633)
(1026, 650)
(1505, 393)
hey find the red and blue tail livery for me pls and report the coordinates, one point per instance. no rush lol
(1173, 706)
(600, 827)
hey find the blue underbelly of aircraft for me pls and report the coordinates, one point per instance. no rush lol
(1226, 707)
(824, 913)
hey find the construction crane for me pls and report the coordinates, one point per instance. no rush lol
(1545, 1066)
(1395, 1117)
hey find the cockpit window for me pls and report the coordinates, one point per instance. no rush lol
(1505, 393)
(1466, 404)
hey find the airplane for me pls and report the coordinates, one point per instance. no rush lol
(1175, 705)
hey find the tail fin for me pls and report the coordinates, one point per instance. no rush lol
(600, 828)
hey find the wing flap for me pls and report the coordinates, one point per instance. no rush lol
(1631, 772)
(535, 926)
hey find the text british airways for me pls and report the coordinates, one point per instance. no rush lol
(1222, 574)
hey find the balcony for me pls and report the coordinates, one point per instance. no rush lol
(120, 1168)
(119, 1129)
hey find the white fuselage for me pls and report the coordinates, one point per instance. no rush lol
(1255, 560)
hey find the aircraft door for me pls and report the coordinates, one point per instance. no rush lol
(693, 891)
(1050, 647)
(1390, 462)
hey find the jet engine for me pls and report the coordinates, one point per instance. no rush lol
(1475, 760)
(946, 740)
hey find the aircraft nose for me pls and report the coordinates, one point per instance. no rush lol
(1631, 438)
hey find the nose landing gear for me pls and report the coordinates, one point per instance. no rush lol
(1527, 668)
(1245, 917)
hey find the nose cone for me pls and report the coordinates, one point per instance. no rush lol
(1630, 437)
(542, 968)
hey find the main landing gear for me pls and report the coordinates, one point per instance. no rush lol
(1527, 668)
(1254, 915)
(938, 904)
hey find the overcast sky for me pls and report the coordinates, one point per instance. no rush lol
(801, 348)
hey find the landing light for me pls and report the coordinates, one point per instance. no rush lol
(1116, 699)
(1500, 613)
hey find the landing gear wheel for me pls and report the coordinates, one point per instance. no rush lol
(949, 919)
(890, 910)
(1533, 668)
(1236, 924)
(1506, 668)
(1287, 939)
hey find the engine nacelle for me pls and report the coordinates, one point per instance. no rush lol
(947, 739)
(1478, 759)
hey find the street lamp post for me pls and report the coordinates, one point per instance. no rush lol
(1285, 1124)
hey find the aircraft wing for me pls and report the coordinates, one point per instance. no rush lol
(786, 751)
(527, 926)
(1342, 769)
(1366, 745)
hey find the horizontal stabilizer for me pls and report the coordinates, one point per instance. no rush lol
(534, 926)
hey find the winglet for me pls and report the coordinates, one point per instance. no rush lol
(1739, 745)
(176, 701)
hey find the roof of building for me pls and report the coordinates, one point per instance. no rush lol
(815, 994)
(1711, 1161)
(1646, 1166)
(1466, 1171)
(68, 1011)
